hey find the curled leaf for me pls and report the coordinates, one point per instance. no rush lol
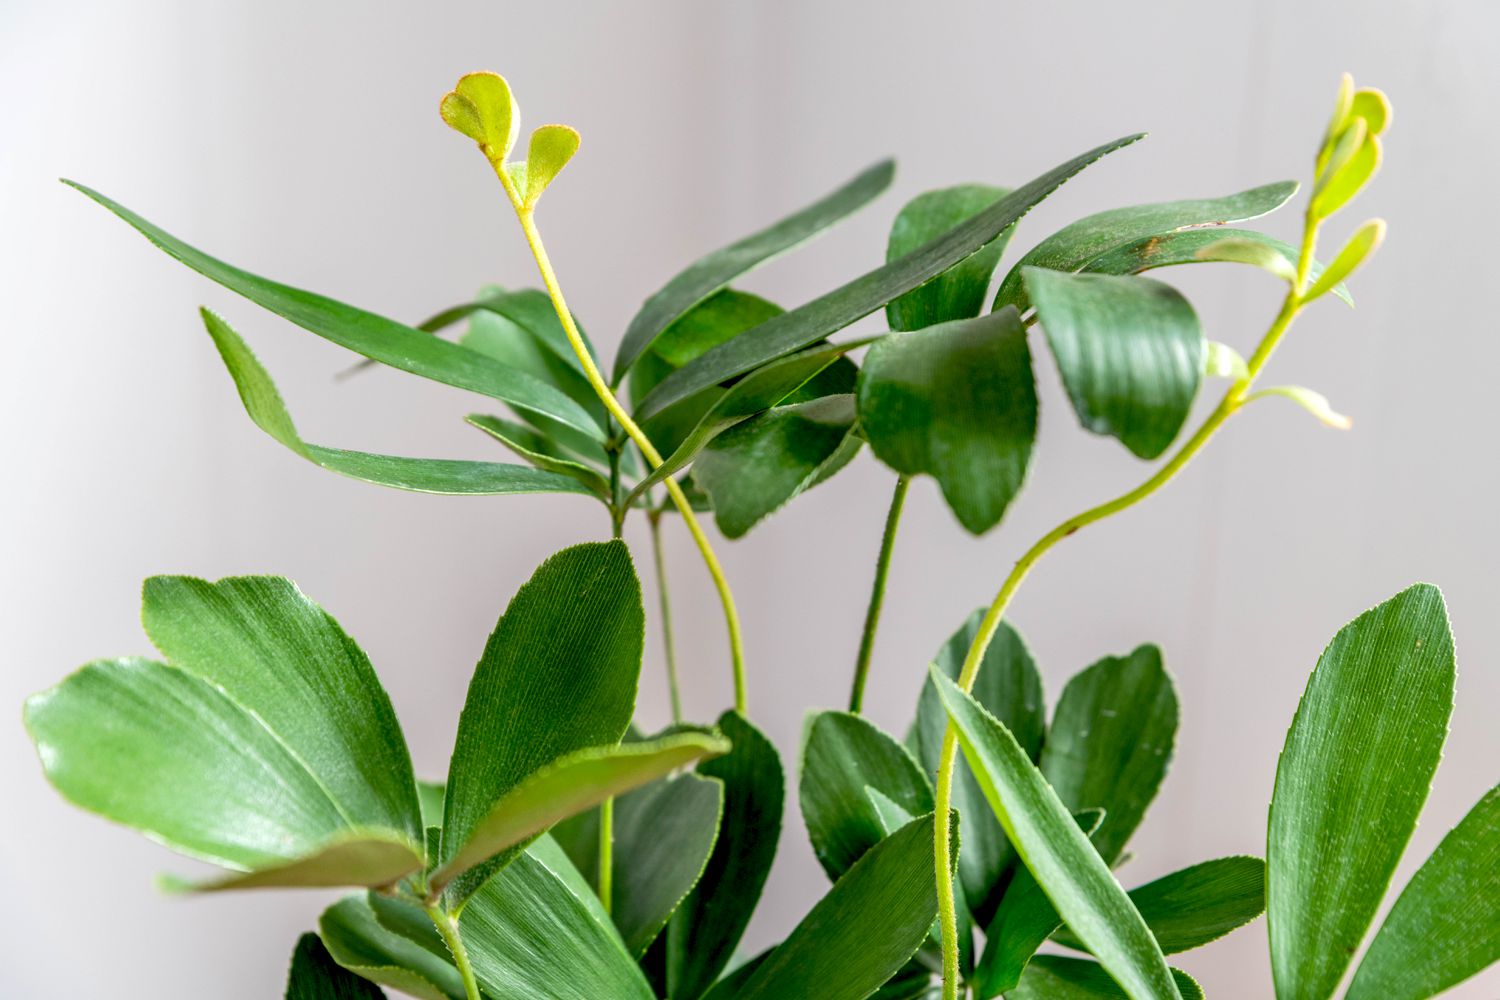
(1343, 105)
(481, 107)
(1223, 361)
(1313, 402)
(552, 146)
(1374, 107)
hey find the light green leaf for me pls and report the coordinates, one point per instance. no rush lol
(357, 857)
(1256, 253)
(1074, 246)
(1374, 107)
(1068, 868)
(956, 401)
(1366, 239)
(856, 937)
(1111, 741)
(1313, 402)
(1355, 770)
(1223, 361)
(373, 336)
(316, 976)
(1445, 926)
(1129, 349)
(1052, 977)
(540, 452)
(844, 755)
(569, 785)
(358, 941)
(558, 675)
(715, 271)
(705, 929)
(858, 298)
(1342, 183)
(959, 292)
(552, 146)
(482, 108)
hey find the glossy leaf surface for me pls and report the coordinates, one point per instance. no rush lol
(960, 291)
(1052, 977)
(536, 449)
(316, 976)
(358, 941)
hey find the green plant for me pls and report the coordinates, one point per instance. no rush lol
(567, 854)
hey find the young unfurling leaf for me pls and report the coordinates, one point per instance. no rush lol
(482, 108)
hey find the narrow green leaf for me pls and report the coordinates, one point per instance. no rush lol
(354, 857)
(1052, 977)
(1445, 926)
(1256, 253)
(956, 401)
(552, 146)
(360, 943)
(844, 755)
(1353, 775)
(715, 271)
(540, 452)
(705, 929)
(558, 675)
(482, 108)
(1129, 349)
(1074, 246)
(1111, 741)
(1310, 400)
(1068, 868)
(959, 292)
(1366, 239)
(1343, 183)
(856, 937)
(373, 336)
(837, 309)
(316, 976)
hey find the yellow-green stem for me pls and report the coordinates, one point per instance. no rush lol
(607, 854)
(877, 595)
(669, 645)
(448, 927)
(526, 216)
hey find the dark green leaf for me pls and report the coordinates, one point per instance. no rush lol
(959, 292)
(1355, 770)
(1074, 246)
(844, 755)
(705, 929)
(558, 675)
(358, 941)
(375, 337)
(522, 330)
(956, 401)
(316, 976)
(540, 452)
(1059, 854)
(718, 269)
(1052, 977)
(1445, 926)
(829, 313)
(1111, 741)
(1129, 349)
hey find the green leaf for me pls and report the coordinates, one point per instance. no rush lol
(956, 401)
(959, 292)
(705, 929)
(1052, 977)
(1353, 775)
(856, 937)
(1445, 926)
(1068, 868)
(1374, 107)
(837, 309)
(1074, 246)
(552, 146)
(1129, 349)
(373, 336)
(1111, 741)
(567, 786)
(1256, 253)
(358, 941)
(558, 675)
(482, 108)
(1363, 243)
(1009, 687)
(316, 976)
(1199, 904)
(1223, 361)
(1347, 178)
(715, 271)
(844, 755)
(754, 468)
(540, 452)
(1310, 400)
(424, 475)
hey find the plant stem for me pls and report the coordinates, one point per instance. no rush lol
(596, 380)
(669, 645)
(448, 928)
(1233, 399)
(877, 595)
(607, 854)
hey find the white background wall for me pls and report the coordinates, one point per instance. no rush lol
(302, 141)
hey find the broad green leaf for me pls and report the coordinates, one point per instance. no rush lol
(1445, 926)
(1009, 687)
(535, 931)
(1052, 977)
(1199, 904)
(424, 475)
(856, 937)
(540, 452)
(558, 675)
(1256, 253)
(569, 785)
(373, 336)
(837, 309)
(1353, 775)
(1111, 741)
(704, 930)
(956, 401)
(316, 976)
(1075, 245)
(959, 292)
(1129, 349)
(715, 271)
(358, 941)
(1364, 242)
(844, 755)
(1058, 853)
(482, 108)
(754, 468)
(552, 146)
